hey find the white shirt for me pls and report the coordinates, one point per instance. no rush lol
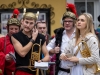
(64, 43)
(65, 40)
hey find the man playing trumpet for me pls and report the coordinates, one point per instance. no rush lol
(23, 43)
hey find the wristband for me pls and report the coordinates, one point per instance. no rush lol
(32, 41)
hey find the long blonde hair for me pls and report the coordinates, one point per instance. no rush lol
(89, 26)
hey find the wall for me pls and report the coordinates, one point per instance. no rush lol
(59, 8)
(70, 1)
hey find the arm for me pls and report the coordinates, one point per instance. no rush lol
(45, 52)
(51, 47)
(22, 51)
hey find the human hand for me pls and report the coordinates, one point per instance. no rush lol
(63, 56)
(39, 61)
(57, 49)
(8, 57)
(73, 59)
(34, 33)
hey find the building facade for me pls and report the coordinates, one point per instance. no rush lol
(90, 6)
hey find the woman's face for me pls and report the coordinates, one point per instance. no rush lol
(81, 22)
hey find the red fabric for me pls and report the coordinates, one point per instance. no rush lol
(2, 62)
(53, 59)
(9, 65)
(15, 12)
(18, 72)
(72, 8)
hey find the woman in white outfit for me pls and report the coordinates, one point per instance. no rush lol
(84, 32)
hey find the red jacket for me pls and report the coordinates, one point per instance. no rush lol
(9, 65)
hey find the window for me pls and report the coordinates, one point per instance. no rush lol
(82, 7)
(90, 6)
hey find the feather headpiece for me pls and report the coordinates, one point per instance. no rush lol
(71, 7)
(15, 13)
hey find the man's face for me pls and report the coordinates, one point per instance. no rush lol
(68, 23)
(42, 28)
(13, 29)
(28, 25)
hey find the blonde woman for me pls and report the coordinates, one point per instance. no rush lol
(84, 32)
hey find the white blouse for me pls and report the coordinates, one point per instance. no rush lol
(77, 69)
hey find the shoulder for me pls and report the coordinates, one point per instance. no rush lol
(2, 39)
(2, 35)
(90, 36)
(91, 39)
(41, 36)
(16, 35)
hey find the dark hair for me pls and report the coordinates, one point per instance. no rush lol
(99, 18)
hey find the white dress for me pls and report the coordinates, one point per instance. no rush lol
(77, 70)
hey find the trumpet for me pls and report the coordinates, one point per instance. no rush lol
(35, 56)
(97, 68)
(86, 53)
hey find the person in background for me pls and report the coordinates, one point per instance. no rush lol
(23, 43)
(98, 28)
(99, 20)
(97, 31)
(42, 28)
(83, 56)
(6, 47)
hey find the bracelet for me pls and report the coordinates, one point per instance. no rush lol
(32, 41)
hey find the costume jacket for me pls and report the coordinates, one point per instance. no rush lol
(6, 47)
(58, 35)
